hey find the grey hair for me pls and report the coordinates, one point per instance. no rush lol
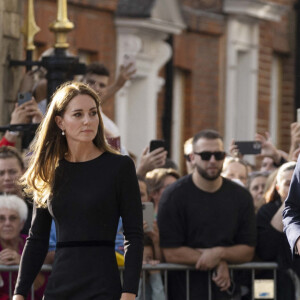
(15, 203)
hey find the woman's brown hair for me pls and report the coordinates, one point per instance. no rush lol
(49, 145)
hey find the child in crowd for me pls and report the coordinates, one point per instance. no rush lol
(153, 289)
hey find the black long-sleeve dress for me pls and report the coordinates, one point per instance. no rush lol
(273, 245)
(88, 199)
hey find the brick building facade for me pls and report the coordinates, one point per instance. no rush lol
(232, 64)
(11, 13)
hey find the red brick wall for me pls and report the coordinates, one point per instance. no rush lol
(199, 54)
(201, 50)
(276, 38)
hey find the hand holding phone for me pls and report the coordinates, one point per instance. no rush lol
(148, 215)
(298, 115)
(155, 144)
(249, 147)
(24, 97)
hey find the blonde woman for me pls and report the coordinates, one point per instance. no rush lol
(272, 243)
(76, 178)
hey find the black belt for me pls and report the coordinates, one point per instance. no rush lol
(85, 244)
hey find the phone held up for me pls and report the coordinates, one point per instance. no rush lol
(155, 144)
(249, 147)
(148, 215)
(24, 97)
(298, 115)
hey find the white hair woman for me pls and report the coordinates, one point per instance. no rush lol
(13, 214)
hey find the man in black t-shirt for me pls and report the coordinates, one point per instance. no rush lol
(207, 221)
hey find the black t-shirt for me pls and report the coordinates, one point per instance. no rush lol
(188, 216)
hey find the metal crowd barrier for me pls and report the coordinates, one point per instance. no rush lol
(164, 268)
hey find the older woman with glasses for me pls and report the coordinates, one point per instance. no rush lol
(13, 213)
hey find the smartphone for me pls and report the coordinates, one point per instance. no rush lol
(249, 147)
(154, 144)
(24, 97)
(298, 115)
(148, 215)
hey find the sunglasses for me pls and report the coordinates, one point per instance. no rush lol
(206, 155)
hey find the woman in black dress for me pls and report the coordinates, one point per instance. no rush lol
(79, 181)
(272, 244)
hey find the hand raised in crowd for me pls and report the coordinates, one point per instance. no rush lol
(26, 113)
(209, 259)
(125, 74)
(221, 276)
(27, 82)
(295, 141)
(295, 134)
(234, 150)
(9, 257)
(267, 147)
(294, 156)
(151, 160)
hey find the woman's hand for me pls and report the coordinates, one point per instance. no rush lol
(18, 297)
(234, 150)
(26, 113)
(151, 160)
(9, 257)
(267, 147)
(125, 296)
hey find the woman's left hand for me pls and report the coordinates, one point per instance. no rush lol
(128, 296)
(9, 257)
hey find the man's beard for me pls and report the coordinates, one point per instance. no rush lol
(206, 176)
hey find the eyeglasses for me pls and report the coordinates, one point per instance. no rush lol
(206, 155)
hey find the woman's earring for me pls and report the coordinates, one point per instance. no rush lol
(63, 133)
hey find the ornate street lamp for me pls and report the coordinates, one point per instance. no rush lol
(60, 66)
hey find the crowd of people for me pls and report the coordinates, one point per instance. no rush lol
(223, 210)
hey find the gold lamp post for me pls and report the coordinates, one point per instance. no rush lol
(60, 66)
(62, 25)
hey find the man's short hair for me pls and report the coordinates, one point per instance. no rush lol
(98, 69)
(11, 152)
(208, 134)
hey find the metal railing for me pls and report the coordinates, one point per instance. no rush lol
(165, 268)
